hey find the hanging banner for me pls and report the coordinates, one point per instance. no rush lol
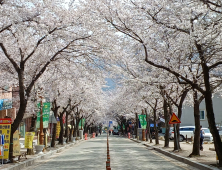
(16, 144)
(46, 112)
(142, 119)
(81, 123)
(57, 129)
(5, 129)
(29, 139)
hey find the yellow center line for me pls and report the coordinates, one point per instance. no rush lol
(177, 164)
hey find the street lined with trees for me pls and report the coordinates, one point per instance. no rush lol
(161, 55)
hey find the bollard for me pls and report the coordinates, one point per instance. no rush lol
(86, 136)
(108, 158)
(107, 164)
(186, 138)
(191, 139)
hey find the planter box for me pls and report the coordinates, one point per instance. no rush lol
(39, 148)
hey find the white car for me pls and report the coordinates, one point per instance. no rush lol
(185, 131)
(220, 131)
(207, 135)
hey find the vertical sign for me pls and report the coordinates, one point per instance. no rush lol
(29, 139)
(110, 125)
(57, 129)
(5, 129)
(46, 112)
(81, 123)
(142, 119)
(16, 144)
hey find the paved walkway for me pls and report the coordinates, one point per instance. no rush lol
(207, 156)
(124, 153)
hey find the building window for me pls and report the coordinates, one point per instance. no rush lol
(202, 115)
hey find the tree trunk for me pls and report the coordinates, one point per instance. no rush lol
(53, 135)
(156, 131)
(55, 109)
(136, 126)
(67, 129)
(62, 129)
(22, 107)
(209, 108)
(147, 126)
(166, 117)
(196, 144)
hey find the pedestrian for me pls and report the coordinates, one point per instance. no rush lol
(100, 131)
(201, 138)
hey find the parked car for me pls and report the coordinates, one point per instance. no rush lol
(171, 133)
(184, 131)
(115, 132)
(207, 136)
(220, 131)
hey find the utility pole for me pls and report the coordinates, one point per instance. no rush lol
(41, 136)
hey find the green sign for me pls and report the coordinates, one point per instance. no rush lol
(81, 123)
(118, 127)
(123, 127)
(142, 119)
(46, 111)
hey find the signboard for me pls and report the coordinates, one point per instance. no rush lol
(162, 120)
(29, 139)
(46, 111)
(16, 144)
(142, 119)
(174, 119)
(57, 129)
(110, 125)
(5, 129)
(5, 104)
(152, 125)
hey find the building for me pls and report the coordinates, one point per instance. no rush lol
(187, 118)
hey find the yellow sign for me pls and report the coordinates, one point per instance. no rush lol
(174, 119)
(16, 144)
(5, 129)
(57, 129)
(29, 139)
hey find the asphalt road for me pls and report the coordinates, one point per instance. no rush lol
(124, 154)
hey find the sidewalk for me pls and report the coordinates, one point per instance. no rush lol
(32, 158)
(207, 156)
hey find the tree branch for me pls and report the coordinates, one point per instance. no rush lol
(9, 57)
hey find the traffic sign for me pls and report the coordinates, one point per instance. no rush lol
(174, 119)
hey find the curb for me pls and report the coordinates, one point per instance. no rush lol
(180, 158)
(29, 162)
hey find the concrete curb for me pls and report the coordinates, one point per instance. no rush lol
(180, 158)
(29, 162)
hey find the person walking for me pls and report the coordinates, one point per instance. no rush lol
(201, 138)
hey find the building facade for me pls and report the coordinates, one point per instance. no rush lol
(187, 118)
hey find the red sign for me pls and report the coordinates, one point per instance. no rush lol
(174, 119)
(6, 121)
